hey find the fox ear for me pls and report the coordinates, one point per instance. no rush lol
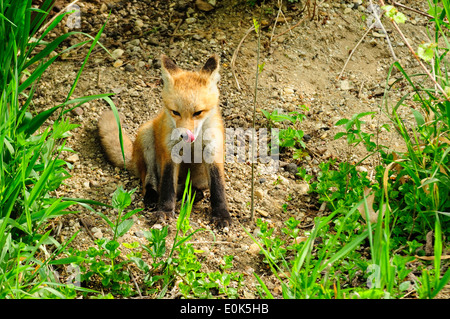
(168, 69)
(211, 68)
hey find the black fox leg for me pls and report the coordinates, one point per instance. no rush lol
(167, 191)
(219, 207)
(150, 197)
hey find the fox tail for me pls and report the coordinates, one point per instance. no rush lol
(109, 136)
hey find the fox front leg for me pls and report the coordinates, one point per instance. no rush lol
(219, 208)
(167, 190)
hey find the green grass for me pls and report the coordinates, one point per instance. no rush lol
(30, 165)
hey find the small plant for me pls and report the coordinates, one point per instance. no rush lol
(291, 136)
(104, 261)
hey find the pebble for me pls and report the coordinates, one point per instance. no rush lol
(139, 23)
(203, 5)
(96, 232)
(118, 63)
(303, 189)
(117, 53)
(254, 249)
(191, 20)
(139, 233)
(77, 111)
(259, 194)
(345, 85)
(291, 168)
(129, 68)
(73, 158)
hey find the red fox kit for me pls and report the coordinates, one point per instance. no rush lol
(189, 122)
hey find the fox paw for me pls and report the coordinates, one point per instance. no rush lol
(162, 215)
(221, 218)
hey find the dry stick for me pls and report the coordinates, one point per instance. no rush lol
(258, 49)
(280, 4)
(235, 53)
(412, 9)
(384, 30)
(174, 34)
(354, 49)
(417, 57)
(297, 24)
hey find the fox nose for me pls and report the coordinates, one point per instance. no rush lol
(187, 136)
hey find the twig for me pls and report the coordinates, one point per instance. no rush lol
(384, 30)
(174, 34)
(417, 57)
(135, 283)
(294, 26)
(280, 4)
(233, 58)
(86, 226)
(214, 242)
(258, 49)
(354, 49)
(361, 87)
(395, 3)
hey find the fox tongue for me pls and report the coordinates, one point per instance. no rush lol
(190, 136)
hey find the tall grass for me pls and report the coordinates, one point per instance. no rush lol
(30, 165)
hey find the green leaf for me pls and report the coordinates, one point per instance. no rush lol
(124, 227)
(399, 17)
(426, 51)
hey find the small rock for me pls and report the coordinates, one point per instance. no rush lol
(345, 85)
(259, 194)
(254, 249)
(129, 68)
(98, 234)
(141, 64)
(73, 158)
(203, 5)
(263, 213)
(134, 42)
(303, 189)
(139, 23)
(288, 91)
(94, 183)
(291, 168)
(378, 35)
(86, 184)
(347, 10)
(77, 111)
(118, 63)
(117, 53)
(139, 234)
(191, 20)
(361, 169)
(103, 8)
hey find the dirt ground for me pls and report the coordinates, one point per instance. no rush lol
(302, 63)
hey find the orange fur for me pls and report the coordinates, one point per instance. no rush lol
(191, 111)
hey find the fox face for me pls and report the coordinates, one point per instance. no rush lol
(190, 98)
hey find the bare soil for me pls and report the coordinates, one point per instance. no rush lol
(301, 67)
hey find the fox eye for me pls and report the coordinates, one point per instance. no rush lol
(175, 113)
(197, 113)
